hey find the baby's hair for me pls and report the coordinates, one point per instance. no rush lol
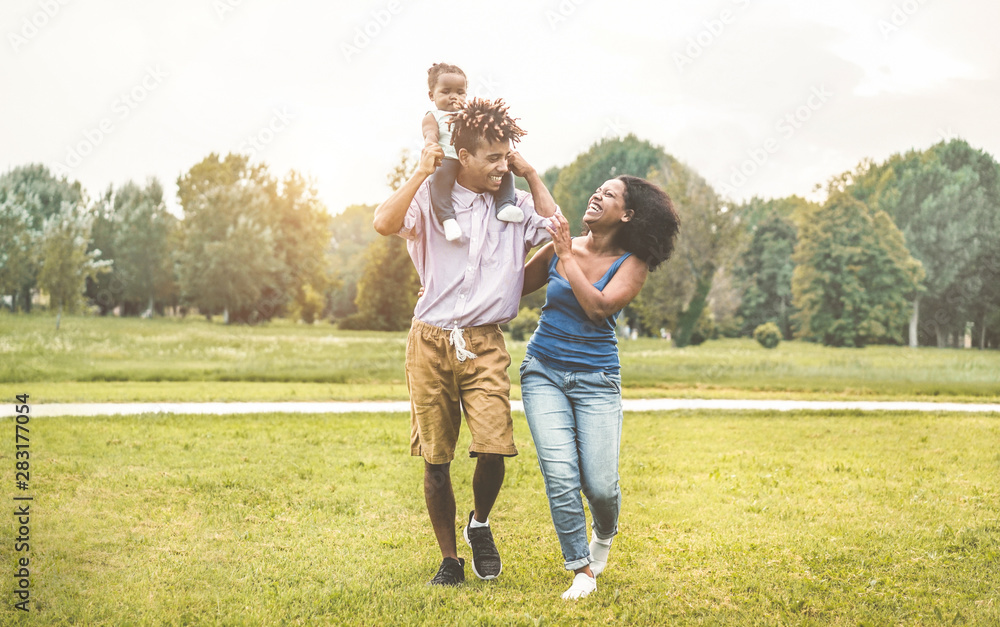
(438, 69)
(483, 121)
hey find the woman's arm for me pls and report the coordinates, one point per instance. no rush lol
(536, 271)
(390, 214)
(597, 304)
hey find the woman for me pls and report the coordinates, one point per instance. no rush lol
(570, 381)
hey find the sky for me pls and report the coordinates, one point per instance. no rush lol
(761, 97)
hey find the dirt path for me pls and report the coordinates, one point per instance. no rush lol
(664, 404)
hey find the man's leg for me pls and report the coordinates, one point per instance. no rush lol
(440, 500)
(485, 396)
(486, 484)
(435, 420)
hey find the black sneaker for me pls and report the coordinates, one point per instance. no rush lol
(451, 573)
(485, 557)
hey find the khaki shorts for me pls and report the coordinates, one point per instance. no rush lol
(441, 386)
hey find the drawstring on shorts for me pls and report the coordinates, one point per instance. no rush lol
(458, 341)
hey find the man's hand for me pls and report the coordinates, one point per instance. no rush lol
(518, 165)
(430, 159)
(390, 215)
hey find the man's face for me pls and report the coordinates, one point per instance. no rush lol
(481, 171)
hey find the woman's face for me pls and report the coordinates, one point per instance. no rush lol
(607, 204)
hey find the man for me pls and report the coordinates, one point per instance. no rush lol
(455, 353)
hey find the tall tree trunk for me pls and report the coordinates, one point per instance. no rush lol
(59, 316)
(941, 335)
(982, 331)
(689, 318)
(914, 322)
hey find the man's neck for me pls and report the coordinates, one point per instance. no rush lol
(461, 181)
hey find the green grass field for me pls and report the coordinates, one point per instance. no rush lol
(733, 518)
(109, 359)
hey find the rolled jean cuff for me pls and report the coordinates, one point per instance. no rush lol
(580, 563)
(593, 529)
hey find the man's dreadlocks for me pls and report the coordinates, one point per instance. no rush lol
(483, 121)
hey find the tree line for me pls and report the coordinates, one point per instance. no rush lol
(903, 251)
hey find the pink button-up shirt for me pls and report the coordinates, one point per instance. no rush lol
(476, 279)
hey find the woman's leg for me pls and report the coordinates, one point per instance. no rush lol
(597, 398)
(550, 417)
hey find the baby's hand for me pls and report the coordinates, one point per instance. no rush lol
(518, 165)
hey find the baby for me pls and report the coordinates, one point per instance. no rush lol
(448, 86)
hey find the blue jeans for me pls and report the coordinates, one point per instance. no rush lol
(576, 423)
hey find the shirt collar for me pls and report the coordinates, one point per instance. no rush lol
(464, 195)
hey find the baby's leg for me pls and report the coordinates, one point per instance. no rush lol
(442, 182)
(504, 200)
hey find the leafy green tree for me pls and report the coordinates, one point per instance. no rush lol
(853, 277)
(388, 285)
(303, 237)
(133, 227)
(105, 289)
(352, 235)
(38, 194)
(946, 201)
(387, 290)
(65, 262)
(17, 246)
(248, 247)
(228, 252)
(764, 268)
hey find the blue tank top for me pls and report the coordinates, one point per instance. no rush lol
(566, 337)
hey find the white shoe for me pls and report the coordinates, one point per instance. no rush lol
(451, 230)
(599, 550)
(582, 586)
(510, 213)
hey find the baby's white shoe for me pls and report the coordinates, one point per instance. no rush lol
(510, 213)
(451, 230)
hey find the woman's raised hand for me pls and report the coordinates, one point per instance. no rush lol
(561, 239)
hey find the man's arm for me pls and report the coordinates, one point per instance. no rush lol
(545, 205)
(390, 214)
(536, 271)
